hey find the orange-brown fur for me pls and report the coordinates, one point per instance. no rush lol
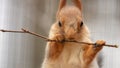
(70, 54)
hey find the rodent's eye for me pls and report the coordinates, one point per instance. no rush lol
(60, 24)
(81, 24)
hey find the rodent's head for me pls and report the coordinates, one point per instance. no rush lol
(70, 22)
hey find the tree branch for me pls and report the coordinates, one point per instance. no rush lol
(45, 38)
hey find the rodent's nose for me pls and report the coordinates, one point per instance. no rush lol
(70, 33)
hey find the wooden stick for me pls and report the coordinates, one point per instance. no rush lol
(38, 35)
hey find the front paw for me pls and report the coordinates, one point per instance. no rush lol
(59, 38)
(99, 44)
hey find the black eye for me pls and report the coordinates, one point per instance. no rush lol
(81, 24)
(59, 23)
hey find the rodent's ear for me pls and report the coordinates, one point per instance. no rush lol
(78, 4)
(62, 4)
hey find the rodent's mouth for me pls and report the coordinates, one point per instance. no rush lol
(70, 39)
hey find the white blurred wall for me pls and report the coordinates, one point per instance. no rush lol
(27, 51)
(17, 50)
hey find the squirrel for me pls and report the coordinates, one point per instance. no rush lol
(69, 25)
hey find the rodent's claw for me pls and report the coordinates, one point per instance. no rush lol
(59, 38)
(99, 43)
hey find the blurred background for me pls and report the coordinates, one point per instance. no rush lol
(27, 51)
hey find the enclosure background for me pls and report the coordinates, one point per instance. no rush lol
(26, 51)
